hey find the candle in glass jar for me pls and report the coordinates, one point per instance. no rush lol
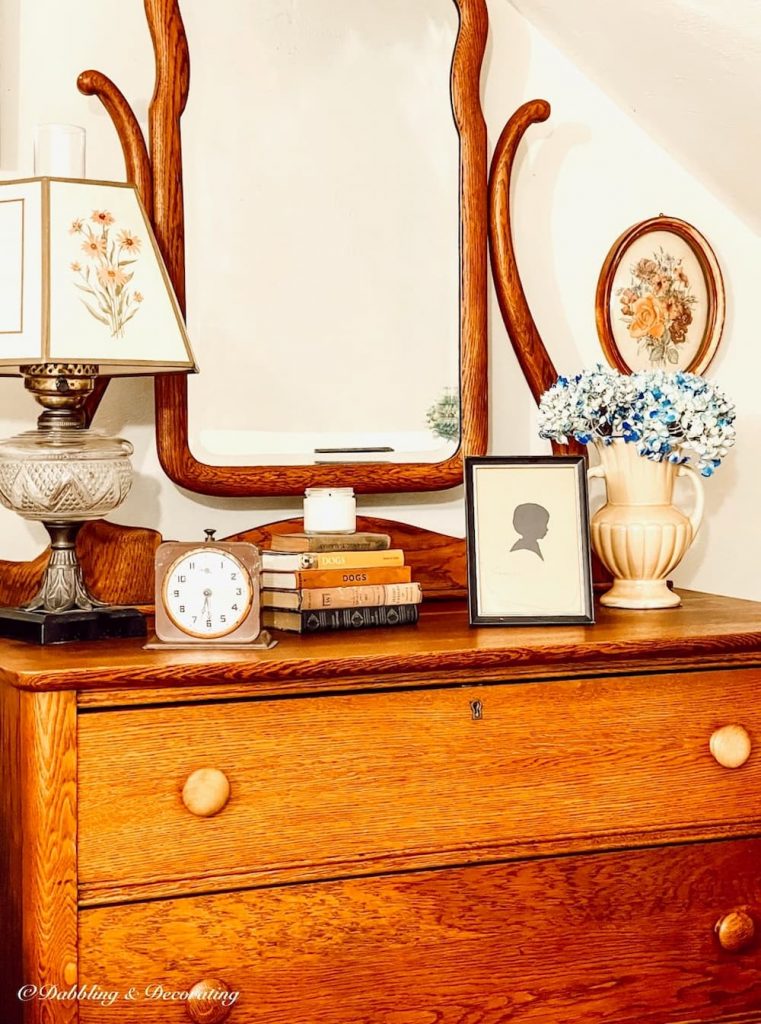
(330, 510)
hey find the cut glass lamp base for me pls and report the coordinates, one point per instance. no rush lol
(41, 627)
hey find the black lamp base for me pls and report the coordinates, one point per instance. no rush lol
(111, 622)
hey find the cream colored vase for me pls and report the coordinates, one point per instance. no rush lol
(639, 535)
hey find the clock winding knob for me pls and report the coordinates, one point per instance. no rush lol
(205, 1005)
(206, 792)
(736, 930)
(730, 746)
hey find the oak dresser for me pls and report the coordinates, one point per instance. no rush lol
(434, 825)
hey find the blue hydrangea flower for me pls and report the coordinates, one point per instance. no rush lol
(675, 417)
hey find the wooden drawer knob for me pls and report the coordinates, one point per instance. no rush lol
(731, 746)
(736, 930)
(204, 1004)
(206, 792)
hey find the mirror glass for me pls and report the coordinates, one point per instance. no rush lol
(321, 172)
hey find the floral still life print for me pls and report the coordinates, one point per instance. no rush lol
(657, 307)
(660, 300)
(103, 272)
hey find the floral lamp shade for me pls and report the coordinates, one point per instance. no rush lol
(82, 281)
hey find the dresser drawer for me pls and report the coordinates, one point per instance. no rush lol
(368, 778)
(595, 938)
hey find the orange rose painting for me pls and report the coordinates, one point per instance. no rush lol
(657, 307)
(105, 277)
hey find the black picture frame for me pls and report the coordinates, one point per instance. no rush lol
(551, 463)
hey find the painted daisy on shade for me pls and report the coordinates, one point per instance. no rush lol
(94, 247)
(126, 240)
(111, 277)
(105, 279)
(102, 217)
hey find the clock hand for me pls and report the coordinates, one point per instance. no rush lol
(206, 610)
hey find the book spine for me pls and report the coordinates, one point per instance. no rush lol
(309, 579)
(332, 542)
(358, 618)
(354, 559)
(361, 597)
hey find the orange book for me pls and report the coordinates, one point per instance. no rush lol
(308, 579)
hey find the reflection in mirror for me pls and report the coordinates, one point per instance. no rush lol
(322, 231)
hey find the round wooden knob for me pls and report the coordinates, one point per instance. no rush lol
(206, 792)
(206, 1003)
(736, 930)
(731, 746)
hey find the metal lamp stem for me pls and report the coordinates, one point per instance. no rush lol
(63, 587)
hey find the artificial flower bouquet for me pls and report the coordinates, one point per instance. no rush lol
(675, 417)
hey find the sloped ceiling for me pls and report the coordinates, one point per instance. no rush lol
(689, 72)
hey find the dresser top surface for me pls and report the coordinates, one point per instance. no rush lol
(706, 631)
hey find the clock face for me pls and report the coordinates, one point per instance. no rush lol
(207, 593)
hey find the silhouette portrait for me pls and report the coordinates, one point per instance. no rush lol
(531, 522)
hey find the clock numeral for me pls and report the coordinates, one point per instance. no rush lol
(235, 607)
(223, 618)
(208, 623)
(182, 609)
(182, 579)
(233, 575)
(238, 592)
(195, 618)
(191, 565)
(175, 593)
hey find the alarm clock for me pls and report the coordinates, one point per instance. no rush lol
(208, 593)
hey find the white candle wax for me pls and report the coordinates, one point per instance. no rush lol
(330, 510)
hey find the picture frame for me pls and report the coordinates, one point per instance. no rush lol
(529, 553)
(660, 301)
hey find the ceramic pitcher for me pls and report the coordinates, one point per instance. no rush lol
(639, 534)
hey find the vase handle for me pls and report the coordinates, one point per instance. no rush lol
(696, 517)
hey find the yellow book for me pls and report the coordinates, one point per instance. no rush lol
(294, 561)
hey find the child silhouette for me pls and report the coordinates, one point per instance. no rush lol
(531, 522)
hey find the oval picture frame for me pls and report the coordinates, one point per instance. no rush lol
(660, 300)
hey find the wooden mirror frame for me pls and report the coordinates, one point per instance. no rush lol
(159, 179)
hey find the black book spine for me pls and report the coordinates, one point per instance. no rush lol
(359, 618)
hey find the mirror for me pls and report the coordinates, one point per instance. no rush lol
(333, 165)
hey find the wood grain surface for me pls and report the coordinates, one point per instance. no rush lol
(706, 631)
(118, 561)
(11, 856)
(624, 938)
(47, 781)
(562, 761)
(172, 430)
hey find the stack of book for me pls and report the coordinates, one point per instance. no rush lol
(319, 582)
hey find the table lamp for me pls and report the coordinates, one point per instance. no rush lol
(84, 293)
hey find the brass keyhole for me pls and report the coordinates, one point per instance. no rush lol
(477, 710)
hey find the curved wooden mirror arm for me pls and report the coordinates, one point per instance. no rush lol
(118, 560)
(532, 355)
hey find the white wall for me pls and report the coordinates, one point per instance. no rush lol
(582, 177)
